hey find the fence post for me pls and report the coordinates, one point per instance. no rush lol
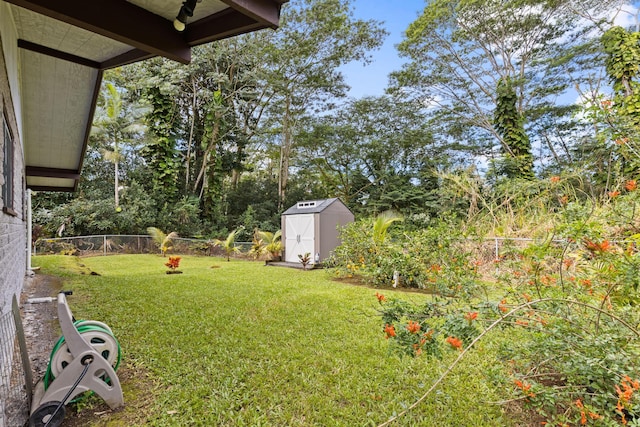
(497, 258)
(104, 245)
(26, 365)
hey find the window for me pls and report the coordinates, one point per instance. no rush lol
(305, 205)
(7, 168)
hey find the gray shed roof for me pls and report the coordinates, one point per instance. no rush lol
(312, 206)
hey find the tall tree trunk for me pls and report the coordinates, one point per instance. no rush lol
(285, 153)
(115, 180)
(190, 141)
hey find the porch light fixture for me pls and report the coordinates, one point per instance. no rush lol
(186, 11)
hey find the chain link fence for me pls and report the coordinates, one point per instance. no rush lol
(110, 244)
(15, 371)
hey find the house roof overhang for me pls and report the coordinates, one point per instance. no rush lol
(65, 46)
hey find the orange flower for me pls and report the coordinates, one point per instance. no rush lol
(389, 331)
(563, 200)
(631, 185)
(413, 327)
(502, 306)
(622, 141)
(527, 297)
(524, 387)
(597, 247)
(606, 104)
(436, 268)
(555, 179)
(454, 342)
(583, 418)
(471, 316)
(613, 194)
(381, 298)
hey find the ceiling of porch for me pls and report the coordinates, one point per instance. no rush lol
(65, 45)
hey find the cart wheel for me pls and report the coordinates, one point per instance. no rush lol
(44, 415)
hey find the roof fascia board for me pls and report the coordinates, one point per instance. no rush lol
(265, 11)
(126, 58)
(87, 131)
(53, 189)
(118, 20)
(52, 172)
(226, 24)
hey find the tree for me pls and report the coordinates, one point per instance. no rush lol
(229, 244)
(508, 121)
(302, 67)
(622, 113)
(164, 241)
(118, 123)
(374, 153)
(460, 50)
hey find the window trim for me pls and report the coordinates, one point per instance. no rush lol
(8, 168)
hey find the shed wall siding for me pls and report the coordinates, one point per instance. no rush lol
(13, 228)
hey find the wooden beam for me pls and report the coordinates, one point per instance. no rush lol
(219, 26)
(118, 20)
(265, 11)
(57, 54)
(126, 58)
(52, 172)
(53, 189)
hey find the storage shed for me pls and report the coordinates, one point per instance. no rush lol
(312, 226)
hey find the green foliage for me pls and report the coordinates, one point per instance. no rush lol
(267, 243)
(164, 241)
(509, 124)
(229, 244)
(305, 259)
(567, 302)
(418, 258)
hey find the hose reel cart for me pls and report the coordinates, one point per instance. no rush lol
(84, 359)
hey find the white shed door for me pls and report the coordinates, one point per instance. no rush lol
(299, 236)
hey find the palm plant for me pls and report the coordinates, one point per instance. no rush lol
(382, 223)
(271, 242)
(229, 244)
(117, 123)
(164, 241)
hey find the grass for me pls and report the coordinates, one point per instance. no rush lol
(248, 345)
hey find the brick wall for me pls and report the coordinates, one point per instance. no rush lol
(13, 227)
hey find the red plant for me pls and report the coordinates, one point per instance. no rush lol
(413, 327)
(173, 263)
(604, 246)
(390, 331)
(454, 342)
(471, 316)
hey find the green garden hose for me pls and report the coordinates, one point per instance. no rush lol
(83, 327)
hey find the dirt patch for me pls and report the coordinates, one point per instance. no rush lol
(40, 321)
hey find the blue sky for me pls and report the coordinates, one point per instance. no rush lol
(396, 16)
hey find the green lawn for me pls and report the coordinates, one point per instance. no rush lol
(248, 345)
